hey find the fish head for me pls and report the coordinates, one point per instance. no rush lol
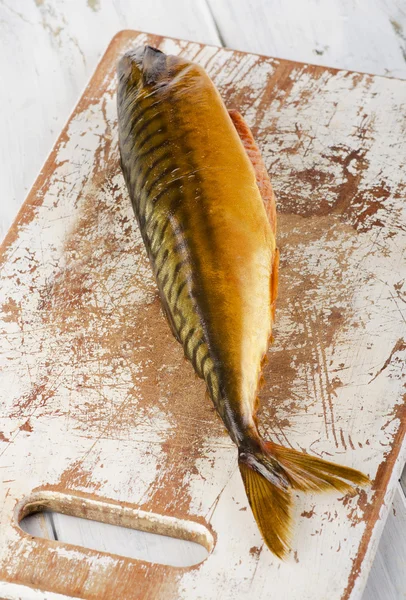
(146, 66)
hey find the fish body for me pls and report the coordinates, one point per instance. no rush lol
(206, 231)
(206, 212)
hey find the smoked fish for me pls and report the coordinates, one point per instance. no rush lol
(206, 212)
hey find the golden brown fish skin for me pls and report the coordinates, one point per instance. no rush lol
(204, 224)
(211, 243)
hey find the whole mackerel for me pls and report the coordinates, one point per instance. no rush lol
(206, 212)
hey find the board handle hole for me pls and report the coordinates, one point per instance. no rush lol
(114, 528)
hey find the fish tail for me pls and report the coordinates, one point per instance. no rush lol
(270, 473)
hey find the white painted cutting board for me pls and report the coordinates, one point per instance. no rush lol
(102, 416)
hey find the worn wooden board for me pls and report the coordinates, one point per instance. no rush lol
(101, 405)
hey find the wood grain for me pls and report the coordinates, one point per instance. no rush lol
(360, 36)
(94, 393)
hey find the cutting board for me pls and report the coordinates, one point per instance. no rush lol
(101, 415)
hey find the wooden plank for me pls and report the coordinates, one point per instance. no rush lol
(360, 36)
(75, 214)
(389, 579)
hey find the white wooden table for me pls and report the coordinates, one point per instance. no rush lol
(49, 49)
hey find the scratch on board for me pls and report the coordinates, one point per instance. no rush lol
(400, 346)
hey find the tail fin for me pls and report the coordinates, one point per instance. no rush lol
(271, 472)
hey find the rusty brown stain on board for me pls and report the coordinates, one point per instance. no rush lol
(35, 398)
(81, 578)
(350, 161)
(11, 311)
(398, 347)
(308, 513)
(366, 204)
(255, 551)
(26, 426)
(356, 204)
(361, 510)
(77, 477)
